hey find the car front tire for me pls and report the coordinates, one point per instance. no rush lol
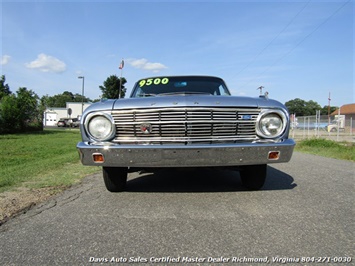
(115, 178)
(253, 176)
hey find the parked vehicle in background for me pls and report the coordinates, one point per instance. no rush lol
(76, 122)
(65, 122)
(185, 121)
(337, 124)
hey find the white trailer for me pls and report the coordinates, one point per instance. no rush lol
(338, 124)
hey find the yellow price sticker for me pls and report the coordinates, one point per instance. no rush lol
(156, 81)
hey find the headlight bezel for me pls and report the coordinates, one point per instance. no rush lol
(112, 129)
(267, 113)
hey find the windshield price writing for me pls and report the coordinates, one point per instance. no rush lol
(156, 81)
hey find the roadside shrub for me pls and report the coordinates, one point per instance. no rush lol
(20, 112)
(9, 115)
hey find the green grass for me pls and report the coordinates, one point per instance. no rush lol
(41, 159)
(327, 148)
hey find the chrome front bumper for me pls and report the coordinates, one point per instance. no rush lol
(212, 155)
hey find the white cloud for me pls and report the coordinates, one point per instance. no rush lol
(144, 64)
(47, 63)
(5, 59)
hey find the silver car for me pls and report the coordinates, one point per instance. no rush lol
(185, 121)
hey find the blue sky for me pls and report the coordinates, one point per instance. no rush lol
(295, 49)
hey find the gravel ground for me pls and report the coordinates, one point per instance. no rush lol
(21, 200)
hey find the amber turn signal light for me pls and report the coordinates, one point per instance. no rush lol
(274, 155)
(98, 158)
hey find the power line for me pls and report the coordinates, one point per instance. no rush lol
(255, 57)
(301, 41)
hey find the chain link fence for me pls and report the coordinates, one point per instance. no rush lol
(337, 128)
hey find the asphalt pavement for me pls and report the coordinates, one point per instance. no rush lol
(304, 215)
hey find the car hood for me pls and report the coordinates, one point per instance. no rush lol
(194, 101)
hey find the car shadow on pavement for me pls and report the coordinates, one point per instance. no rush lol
(202, 180)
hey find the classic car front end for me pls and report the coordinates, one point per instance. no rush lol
(184, 121)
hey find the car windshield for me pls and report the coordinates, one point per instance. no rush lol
(188, 85)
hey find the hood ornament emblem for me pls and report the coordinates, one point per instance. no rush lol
(146, 128)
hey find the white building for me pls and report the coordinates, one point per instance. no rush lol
(53, 114)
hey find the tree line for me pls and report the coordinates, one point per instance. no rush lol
(23, 110)
(301, 107)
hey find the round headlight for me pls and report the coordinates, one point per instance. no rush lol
(100, 127)
(271, 124)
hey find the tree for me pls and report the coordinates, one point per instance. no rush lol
(60, 100)
(27, 102)
(312, 107)
(9, 115)
(111, 87)
(324, 110)
(302, 108)
(296, 106)
(4, 88)
(20, 112)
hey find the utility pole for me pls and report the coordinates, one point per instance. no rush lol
(82, 94)
(329, 108)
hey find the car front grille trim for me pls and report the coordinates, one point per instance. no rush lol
(185, 125)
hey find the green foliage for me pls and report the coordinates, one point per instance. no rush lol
(27, 102)
(4, 88)
(303, 108)
(9, 115)
(111, 87)
(328, 148)
(324, 110)
(20, 112)
(60, 100)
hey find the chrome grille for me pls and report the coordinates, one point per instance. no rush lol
(185, 125)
